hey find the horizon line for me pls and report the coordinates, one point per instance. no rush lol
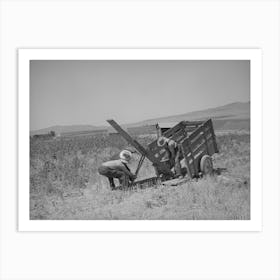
(150, 119)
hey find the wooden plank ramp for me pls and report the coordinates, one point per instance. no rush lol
(176, 182)
(145, 183)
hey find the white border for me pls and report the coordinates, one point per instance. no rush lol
(24, 57)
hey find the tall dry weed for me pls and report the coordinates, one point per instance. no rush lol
(65, 184)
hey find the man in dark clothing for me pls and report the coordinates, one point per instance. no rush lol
(118, 169)
(172, 155)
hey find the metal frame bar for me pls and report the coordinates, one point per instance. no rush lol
(139, 164)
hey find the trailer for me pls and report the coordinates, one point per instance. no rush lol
(197, 144)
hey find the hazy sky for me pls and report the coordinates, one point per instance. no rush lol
(89, 92)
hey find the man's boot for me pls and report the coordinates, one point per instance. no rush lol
(112, 184)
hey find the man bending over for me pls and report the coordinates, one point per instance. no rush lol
(118, 169)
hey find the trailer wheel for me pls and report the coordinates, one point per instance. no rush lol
(206, 165)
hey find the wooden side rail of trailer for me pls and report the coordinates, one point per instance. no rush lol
(198, 148)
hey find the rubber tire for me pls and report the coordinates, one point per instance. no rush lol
(206, 165)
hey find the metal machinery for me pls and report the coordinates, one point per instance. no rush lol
(197, 142)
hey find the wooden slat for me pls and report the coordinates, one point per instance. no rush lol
(202, 130)
(178, 136)
(192, 136)
(198, 140)
(202, 145)
(173, 130)
(185, 126)
(198, 130)
(191, 156)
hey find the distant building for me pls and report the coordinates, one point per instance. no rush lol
(46, 136)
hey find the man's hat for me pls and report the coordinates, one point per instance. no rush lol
(125, 156)
(161, 141)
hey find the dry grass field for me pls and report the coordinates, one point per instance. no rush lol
(64, 183)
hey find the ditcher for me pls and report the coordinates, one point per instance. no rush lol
(197, 142)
